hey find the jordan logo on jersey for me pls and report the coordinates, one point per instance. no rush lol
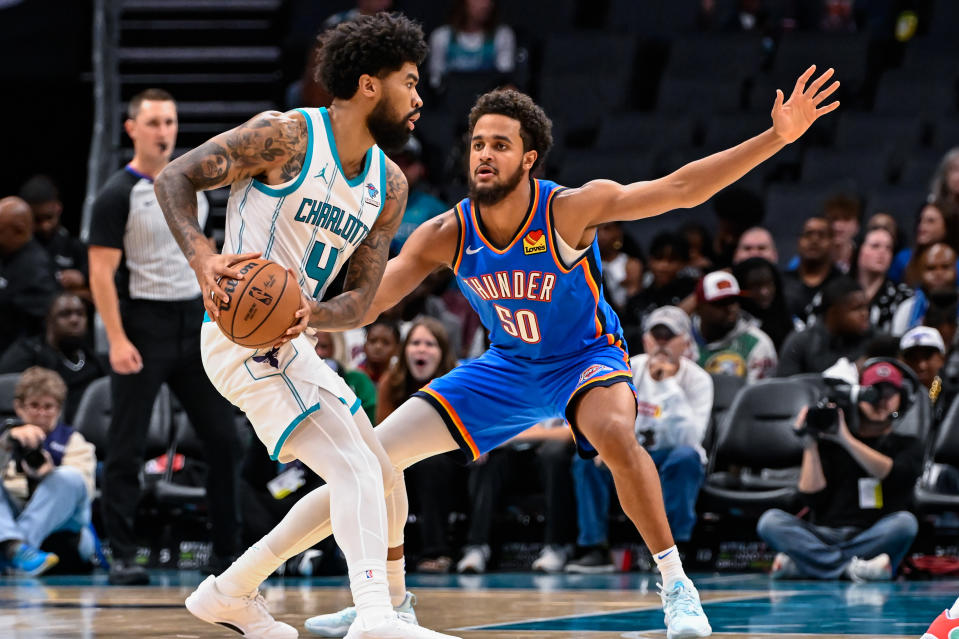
(534, 242)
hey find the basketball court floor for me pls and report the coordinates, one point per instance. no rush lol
(503, 605)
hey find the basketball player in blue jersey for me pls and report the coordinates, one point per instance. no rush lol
(310, 190)
(525, 255)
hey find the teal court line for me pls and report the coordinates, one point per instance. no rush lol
(655, 607)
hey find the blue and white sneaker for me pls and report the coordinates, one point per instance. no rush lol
(31, 562)
(337, 624)
(685, 618)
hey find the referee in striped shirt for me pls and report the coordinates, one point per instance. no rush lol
(149, 300)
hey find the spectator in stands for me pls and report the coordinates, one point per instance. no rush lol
(381, 346)
(332, 348)
(68, 253)
(870, 265)
(843, 213)
(427, 300)
(421, 205)
(472, 40)
(923, 350)
(858, 486)
(763, 297)
(888, 222)
(945, 181)
(27, 282)
(63, 348)
(756, 242)
(700, 247)
(617, 284)
(937, 276)
(737, 209)
(48, 473)
(663, 283)
(937, 222)
(149, 300)
(490, 478)
(728, 343)
(814, 271)
(435, 484)
(843, 331)
(675, 400)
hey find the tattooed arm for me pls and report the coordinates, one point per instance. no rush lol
(367, 264)
(270, 147)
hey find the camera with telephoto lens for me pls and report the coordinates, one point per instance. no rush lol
(823, 418)
(32, 457)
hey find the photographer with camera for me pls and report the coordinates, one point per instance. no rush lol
(48, 474)
(857, 483)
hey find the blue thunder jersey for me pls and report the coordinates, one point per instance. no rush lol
(314, 222)
(533, 304)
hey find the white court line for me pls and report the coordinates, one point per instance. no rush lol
(606, 612)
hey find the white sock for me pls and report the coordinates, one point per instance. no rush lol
(954, 611)
(250, 570)
(370, 593)
(396, 576)
(670, 566)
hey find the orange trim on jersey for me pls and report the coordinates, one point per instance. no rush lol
(462, 222)
(591, 380)
(531, 213)
(595, 291)
(456, 420)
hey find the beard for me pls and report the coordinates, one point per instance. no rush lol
(389, 133)
(489, 195)
(71, 343)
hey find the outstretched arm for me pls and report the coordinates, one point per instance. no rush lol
(366, 264)
(431, 246)
(693, 184)
(271, 146)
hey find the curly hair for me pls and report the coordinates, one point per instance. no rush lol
(375, 45)
(535, 127)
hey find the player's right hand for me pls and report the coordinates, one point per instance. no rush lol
(302, 316)
(210, 269)
(125, 358)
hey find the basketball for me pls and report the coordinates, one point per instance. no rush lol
(262, 306)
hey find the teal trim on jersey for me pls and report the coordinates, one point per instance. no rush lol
(382, 185)
(286, 190)
(336, 154)
(357, 405)
(289, 430)
(239, 235)
(206, 317)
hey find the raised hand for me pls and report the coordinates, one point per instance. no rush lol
(792, 118)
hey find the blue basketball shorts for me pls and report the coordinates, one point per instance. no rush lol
(493, 398)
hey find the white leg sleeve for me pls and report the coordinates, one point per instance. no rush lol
(413, 432)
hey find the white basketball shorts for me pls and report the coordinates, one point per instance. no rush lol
(276, 388)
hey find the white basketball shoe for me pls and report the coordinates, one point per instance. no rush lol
(247, 616)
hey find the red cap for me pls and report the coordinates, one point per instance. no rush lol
(882, 372)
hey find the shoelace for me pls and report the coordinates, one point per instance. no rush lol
(259, 603)
(680, 601)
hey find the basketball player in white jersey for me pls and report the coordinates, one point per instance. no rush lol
(311, 189)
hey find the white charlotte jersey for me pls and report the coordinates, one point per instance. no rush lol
(313, 223)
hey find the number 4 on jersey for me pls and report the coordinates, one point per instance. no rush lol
(313, 269)
(523, 324)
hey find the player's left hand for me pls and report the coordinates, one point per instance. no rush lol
(302, 317)
(792, 118)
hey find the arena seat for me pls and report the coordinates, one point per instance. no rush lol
(644, 131)
(943, 451)
(8, 383)
(756, 434)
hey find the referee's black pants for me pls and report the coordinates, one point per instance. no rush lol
(167, 334)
